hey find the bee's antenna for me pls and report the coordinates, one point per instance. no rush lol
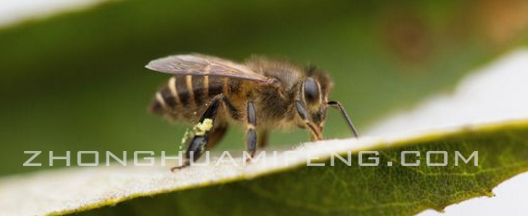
(338, 105)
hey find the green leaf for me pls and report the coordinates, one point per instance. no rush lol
(266, 189)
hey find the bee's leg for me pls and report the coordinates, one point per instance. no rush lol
(217, 135)
(316, 132)
(251, 133)
(263, 138)
(198, 144)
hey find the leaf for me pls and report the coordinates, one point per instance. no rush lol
(266, 189)
(77, 81)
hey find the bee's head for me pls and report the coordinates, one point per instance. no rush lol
(313, 99)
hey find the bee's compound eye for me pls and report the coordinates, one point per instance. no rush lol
(311, 91)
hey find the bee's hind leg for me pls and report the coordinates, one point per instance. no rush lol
(199, 142)
(217, 135)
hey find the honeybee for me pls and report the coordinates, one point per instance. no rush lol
(259, 95)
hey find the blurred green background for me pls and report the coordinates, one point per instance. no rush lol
(77, 82)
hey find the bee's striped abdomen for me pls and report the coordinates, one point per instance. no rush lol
(186, 97)
(167, 100)
(215, 86)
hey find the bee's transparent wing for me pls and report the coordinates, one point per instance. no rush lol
(203, 65)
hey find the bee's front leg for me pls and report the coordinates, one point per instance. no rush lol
(251, 132)
(198, 144)
(315, 132)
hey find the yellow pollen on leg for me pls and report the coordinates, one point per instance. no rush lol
(203, 127)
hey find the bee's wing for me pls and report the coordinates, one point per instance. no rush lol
(202, 65)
